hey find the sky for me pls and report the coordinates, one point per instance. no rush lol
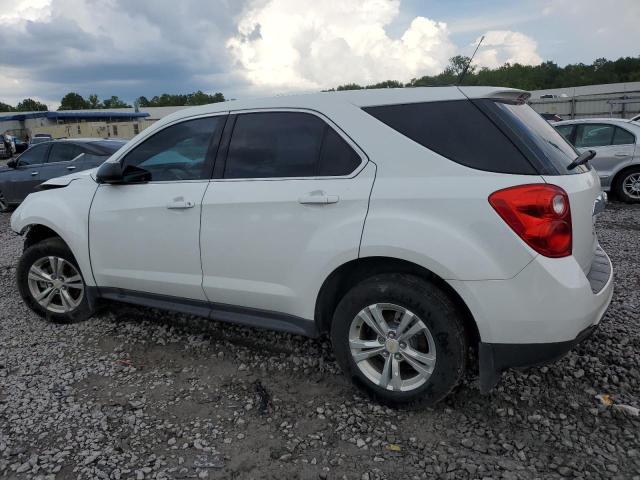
(248, 48)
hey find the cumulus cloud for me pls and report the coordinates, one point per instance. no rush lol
(504, 46)
(306, 44)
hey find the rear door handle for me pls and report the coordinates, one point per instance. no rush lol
(180, 203)
(71, 168)
(622, 155)
(33, 174)
(318, 199)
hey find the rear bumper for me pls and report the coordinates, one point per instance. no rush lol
(539, 315)
(498, 357)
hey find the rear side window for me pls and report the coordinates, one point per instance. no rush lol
(594, 135)
(457, 130)
(274, 144)
(63, 152)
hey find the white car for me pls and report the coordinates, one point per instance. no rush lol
(411, 225)
(616, 143)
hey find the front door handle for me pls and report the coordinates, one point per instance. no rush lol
(33, 174)
(179, 203)
(315, 199)
(622, 154)
(71, 168)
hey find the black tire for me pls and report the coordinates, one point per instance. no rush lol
(619, 189)
(431, 305)
(50, 247)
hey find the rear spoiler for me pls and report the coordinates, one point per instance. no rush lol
(508, 94)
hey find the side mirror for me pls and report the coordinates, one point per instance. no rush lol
(12, 163)
(110, 172)
(113, 173)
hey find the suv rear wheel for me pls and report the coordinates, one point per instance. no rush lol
(401, 338)
(51, 284)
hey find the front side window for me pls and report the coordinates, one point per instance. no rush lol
(63, 152)
(594, 135)
(274, 145)
(34, 156)
(178, 152)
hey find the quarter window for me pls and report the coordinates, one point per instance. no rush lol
(178, 152)
(566, 131)
(623, 137)
(274, 144)
(337, 157)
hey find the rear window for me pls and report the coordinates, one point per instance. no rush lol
(492, 135)
(542, 145)
(459, 131)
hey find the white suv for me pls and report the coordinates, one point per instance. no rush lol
(412, 225)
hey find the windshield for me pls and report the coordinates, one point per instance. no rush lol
(538, 140)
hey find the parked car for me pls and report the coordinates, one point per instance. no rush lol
(617, 159)
(19, 145)
(551, 117)
(40, 138)
(410, 224)
(635, 119)
(5, 147)
(49, 160)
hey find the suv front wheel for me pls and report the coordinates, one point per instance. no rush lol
(51, 284)
(401, 338)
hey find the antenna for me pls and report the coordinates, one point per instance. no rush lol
(464, 71)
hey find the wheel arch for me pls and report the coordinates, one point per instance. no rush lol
(618, 175)
(339, 282)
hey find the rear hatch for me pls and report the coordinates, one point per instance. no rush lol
(550, 155)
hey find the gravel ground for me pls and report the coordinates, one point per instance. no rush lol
(137, 393)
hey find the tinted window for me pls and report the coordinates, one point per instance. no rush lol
(274, 144)
(566, 131)
(623, 137)
(457, 130)
(542, 145)
(594, 135)
(34, 155)
(63, 152)
(178, 152)
(337, 157)
(104, 147)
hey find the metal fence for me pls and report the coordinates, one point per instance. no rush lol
(614, 105)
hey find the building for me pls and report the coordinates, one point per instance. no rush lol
(619, 100)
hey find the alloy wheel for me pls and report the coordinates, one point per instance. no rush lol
(56, 284)
(392, 347)
(631, 185)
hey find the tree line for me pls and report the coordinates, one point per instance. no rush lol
(527, 77)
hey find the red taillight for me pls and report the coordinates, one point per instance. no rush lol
(539, 214)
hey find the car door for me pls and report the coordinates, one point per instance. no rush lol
(60, 160)
(26, 176)
(291, 197)
(144, 237)
(602, 138)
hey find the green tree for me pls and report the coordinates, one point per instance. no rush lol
(73, 101)
(115, 102)
(5, 107)
(94, 102)
(31, 105)
(349, 86)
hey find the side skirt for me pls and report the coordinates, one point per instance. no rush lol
(252, 317)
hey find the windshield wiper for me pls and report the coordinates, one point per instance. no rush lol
(581, 159)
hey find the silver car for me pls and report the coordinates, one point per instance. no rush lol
(617, 159)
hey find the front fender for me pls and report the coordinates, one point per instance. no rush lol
(66, 212)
